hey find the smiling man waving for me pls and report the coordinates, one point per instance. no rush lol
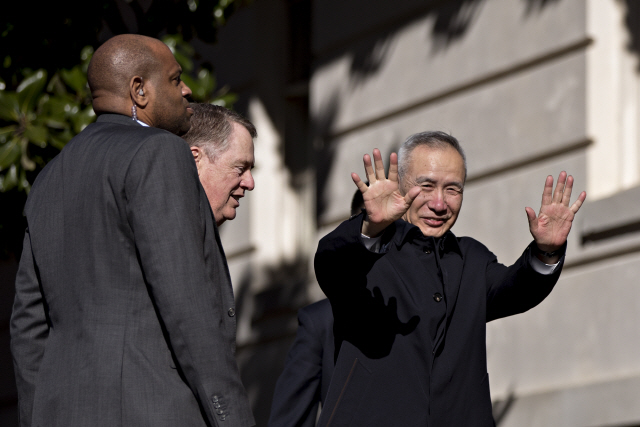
(411, 300)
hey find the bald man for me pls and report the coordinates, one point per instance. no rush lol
(124, 312)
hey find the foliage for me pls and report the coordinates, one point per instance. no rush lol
(202, 81)
(52, 37)
(44, 98)
(39, 118)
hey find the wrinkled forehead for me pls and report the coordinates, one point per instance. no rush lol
(442, 162)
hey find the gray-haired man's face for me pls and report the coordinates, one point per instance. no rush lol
(440, 173)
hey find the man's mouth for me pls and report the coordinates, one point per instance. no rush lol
(434, 222)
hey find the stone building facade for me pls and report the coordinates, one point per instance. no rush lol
(530, 88)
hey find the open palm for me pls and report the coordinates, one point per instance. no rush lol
(550, 228)
(383, 199)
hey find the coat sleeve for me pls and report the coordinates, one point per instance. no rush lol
(165, 213)
(517, 288)
(342, 262)
(29, 331)
(297, 393)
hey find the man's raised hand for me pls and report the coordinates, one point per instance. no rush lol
(383, 199)
(551, 227)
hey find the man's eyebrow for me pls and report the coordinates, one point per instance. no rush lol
(425, 179)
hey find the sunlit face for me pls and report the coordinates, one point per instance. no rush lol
(168, 107)
(440, 173)
(226, 178)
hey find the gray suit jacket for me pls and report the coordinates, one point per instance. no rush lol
(124, 311)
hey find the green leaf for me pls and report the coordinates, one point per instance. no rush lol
(9, 153)
(75, 78)
(85, 56)
(57, 107)
(171, 40)
(37, 134)
(25, 161)
(6, 132)
(29, 90)
(23, 182)
(56, 85)
(185, 61)
(9, 107)
(82, 119)
(10, 179)
(58, 142)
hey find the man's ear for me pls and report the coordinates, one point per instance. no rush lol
(197, 154)
(137, 91)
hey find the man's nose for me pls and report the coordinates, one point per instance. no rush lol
(186, 91)
(436, 202)
(247, 182)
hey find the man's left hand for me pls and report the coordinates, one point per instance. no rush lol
(553, 223)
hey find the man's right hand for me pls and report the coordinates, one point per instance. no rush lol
(383, 199)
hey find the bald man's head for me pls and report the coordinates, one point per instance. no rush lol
(129, 70)
(119, 59)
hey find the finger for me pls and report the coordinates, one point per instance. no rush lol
(377, 158)
(393, 167)
(548, 191)
(578, 203)
(566, 195)
(368, 168)
(557, 194)
(359, 183)
(411, 195)
(531, 215)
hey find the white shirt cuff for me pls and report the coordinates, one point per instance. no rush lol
(541, 267)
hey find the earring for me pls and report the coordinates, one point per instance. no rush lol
(140, 92)
(134, 113)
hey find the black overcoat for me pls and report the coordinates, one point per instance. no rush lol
(410, 325)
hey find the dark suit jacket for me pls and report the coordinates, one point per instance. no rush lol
(304, 382)
(411, 325)
(124, 311)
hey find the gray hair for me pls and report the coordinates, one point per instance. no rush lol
(211, 126)
(431, 139)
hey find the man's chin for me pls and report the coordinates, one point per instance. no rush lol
(230, 214)
(434, 232)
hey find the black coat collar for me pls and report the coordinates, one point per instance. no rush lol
(404, 232)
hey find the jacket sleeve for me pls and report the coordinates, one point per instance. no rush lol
(342, 261)
(29, 331)
(297, 393)
(164, 210)
(517, 288)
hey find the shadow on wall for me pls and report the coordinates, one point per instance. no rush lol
(272, 316)
(632, 22)
(451, 21)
